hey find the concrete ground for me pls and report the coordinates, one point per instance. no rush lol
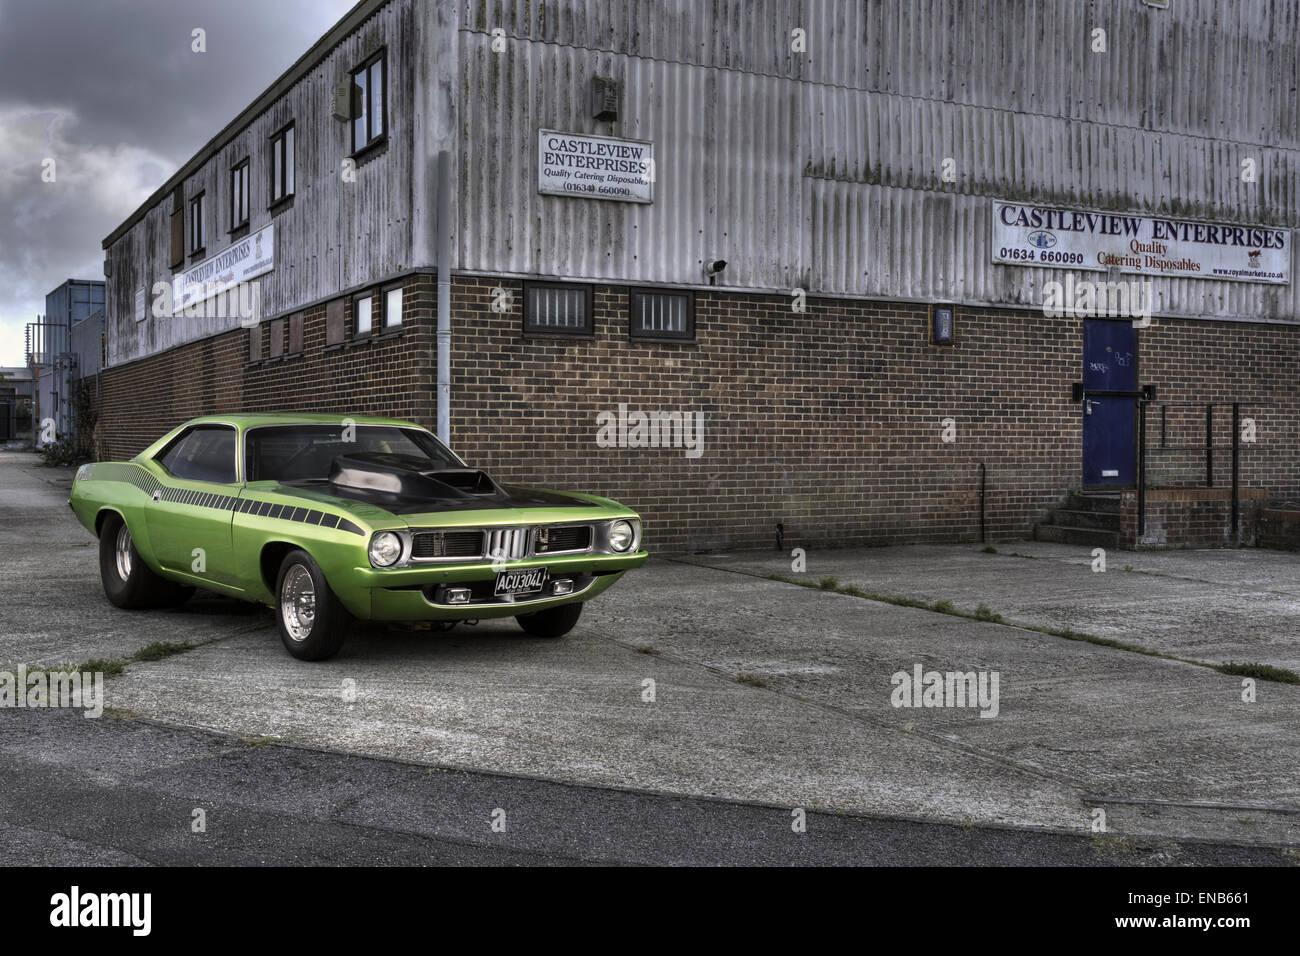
(762, 691)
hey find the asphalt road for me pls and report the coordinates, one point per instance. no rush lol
(112, 791)
(767, 696)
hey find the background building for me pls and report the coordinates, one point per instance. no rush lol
(52, 359)
(15, 403)
(873, 176)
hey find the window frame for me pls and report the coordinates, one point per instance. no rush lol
(235, 222)
(660, 336)
(530, 328)
(287, 182)
(387, 325)
(198, 224)
(163, 452)
(380, 56)
(357, 334)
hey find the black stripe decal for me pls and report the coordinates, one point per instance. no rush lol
(133, 474)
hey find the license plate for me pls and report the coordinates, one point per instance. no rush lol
(514, 583)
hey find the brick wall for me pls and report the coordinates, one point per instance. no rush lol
(827, 421)
(386, 374)
(1279, 528)
(1191, 518)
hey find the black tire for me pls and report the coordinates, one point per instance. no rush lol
(314, 625)
(129, 582)
(553, 622)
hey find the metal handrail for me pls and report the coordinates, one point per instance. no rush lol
(1209, 447)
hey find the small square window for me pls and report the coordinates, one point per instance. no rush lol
(363, 308)
(661, 315)
(393, 307)
(557, 309)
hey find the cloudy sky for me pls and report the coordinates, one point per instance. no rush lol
(113, 93)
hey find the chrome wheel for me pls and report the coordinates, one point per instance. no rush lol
(122, 553)
(298, 602)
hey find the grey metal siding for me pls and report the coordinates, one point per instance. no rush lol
(823, 170)
(335, 235)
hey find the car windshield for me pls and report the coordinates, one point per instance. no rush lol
(305, 452)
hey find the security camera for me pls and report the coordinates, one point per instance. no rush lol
(715, 267)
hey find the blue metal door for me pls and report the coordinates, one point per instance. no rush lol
(1109, 420)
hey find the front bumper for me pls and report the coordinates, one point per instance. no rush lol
(415, 593)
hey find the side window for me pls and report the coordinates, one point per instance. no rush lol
(282, 163)
(204, 453)
(197, 230)
(369, 103)
(239, 195)
(363, 307)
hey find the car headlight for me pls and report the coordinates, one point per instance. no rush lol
(621, 536)
(385, 549)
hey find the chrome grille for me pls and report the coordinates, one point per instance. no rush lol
(507, 544)
(446, 544)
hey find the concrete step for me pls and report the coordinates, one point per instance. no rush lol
(1086, 537)
(1102, 520)
(1108, 503)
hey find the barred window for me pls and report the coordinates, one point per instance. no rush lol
(656, 314)
(560, 309)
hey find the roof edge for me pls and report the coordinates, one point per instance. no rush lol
(318, 51)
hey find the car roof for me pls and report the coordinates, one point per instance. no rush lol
(249, 420)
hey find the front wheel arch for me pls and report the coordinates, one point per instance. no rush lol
(271, 557)
(103, 515)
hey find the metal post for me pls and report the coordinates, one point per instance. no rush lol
(444, 297)
(1236, 456)
(1142, 471)
(1209, 445)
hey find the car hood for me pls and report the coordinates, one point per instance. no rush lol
(383, 485)
(505, 496)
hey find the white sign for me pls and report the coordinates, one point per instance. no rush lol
(1025, 235)
(595, 167)
(252, 256)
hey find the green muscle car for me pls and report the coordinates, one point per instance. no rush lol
(327, 519)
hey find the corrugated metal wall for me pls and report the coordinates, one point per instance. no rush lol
(334, 236)
(820, 170)
(824, 170)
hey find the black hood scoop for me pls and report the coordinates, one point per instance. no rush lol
(402, 475)
(402, 484)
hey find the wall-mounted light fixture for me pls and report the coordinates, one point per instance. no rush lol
(604, 98)
(943, 324)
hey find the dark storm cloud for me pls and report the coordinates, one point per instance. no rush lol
(113, 93)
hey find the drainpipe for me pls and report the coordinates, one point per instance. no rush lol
(444, 296)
